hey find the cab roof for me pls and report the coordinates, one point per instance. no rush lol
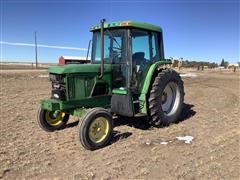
(134, 24)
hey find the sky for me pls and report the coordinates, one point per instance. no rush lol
(205, 30)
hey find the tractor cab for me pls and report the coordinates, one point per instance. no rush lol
(131, 48)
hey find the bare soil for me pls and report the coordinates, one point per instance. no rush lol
(211, 115)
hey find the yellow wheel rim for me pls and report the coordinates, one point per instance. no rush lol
(98, 129)
(52, 120)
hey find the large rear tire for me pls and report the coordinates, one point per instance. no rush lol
(95, 129)
(166, 98)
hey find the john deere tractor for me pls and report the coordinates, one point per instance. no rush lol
(127, 76)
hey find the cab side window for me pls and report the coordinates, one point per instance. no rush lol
(141, 57)
(140, 47)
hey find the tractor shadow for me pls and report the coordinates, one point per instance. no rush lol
(117, 136)
(187, 113)
(136, 122)
(72, 124)
(142, 122)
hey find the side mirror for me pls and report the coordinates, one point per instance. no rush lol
(89, 45)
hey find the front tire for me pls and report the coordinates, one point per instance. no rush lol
(166, 98)
(50, 120)
(95, 129)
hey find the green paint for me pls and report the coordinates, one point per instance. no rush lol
(79, 112)
(147, 85)
(119, 91)
(98, 101)
(76, 68)
(129, 24)
(50, 104)
(80, 85)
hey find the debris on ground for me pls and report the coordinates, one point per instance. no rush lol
(164, 142)
(187, 139)
(188, 75)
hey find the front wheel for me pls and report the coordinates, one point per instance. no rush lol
(95, 129)
(51, 120)
(166, 98)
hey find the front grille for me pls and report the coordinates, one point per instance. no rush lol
(56, 78)
(58, 86)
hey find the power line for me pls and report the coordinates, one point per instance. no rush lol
(42, 46)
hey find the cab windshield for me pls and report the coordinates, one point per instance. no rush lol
(114, 46)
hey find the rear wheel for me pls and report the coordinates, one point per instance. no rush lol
(51, 120)
(166, 98)
(95, 129)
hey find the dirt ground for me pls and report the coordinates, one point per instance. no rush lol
(211, 115)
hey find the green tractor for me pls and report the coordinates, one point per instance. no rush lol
(127, 76)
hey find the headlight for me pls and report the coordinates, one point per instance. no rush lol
(58, 86)
(59, 94)
(56, 96)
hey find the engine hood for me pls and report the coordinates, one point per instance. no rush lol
(78, 68)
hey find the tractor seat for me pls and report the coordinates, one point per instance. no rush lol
(138, 62)
(138, 58)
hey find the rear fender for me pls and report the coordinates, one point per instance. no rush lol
(147, 83)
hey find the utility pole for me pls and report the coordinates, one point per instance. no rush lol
(36, 55)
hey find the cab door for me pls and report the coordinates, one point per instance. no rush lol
(121, 101)
(118, 56)
(145, 51)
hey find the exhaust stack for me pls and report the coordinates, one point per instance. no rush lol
(102, 47)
